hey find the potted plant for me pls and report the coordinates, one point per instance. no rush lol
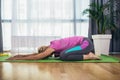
(102, 17)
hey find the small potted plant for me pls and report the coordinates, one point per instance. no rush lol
(102, 17)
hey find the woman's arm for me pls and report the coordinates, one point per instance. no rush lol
(25, 55)
(42, 55)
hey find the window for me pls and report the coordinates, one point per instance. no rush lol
(43, 18)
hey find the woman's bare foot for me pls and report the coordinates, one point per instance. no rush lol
(91, 56)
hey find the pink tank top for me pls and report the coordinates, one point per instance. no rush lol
(66, 43)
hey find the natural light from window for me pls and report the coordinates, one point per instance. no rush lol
(61, 18)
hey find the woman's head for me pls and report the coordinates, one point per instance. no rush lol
(42, 49)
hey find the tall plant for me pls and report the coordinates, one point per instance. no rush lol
(101, 15)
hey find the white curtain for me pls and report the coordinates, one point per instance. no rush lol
(36, 22)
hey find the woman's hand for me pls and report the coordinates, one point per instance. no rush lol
(14, 58)
(17, 57)
(23, 57)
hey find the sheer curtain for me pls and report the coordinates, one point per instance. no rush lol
(33, 23)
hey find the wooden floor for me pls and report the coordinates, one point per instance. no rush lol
(59, 71)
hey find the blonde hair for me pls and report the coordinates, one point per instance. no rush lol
(42, 49)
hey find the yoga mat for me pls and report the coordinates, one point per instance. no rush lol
(104, 59)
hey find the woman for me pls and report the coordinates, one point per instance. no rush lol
(71, 48)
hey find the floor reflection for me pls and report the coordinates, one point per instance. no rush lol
(24, 71)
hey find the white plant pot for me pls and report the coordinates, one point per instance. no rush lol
(101, 44)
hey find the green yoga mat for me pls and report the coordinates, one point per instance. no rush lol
(104, 59)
